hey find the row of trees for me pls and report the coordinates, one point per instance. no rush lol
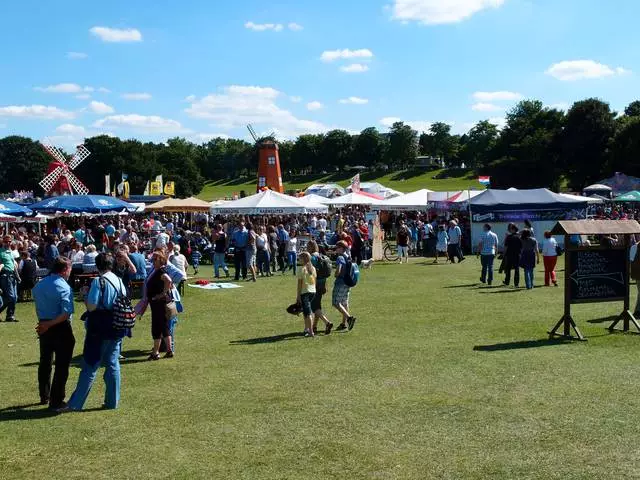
(538, 146)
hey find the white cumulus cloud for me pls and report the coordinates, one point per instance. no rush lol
(36, 111)
(419, 125)
(296, 27)
(572, 70)
(354, 101)
(486, 107)
(315, 105)
(136, 96)
(236, 106)
(355, 68)
(70, 129)
(100, 108)
(497, 96)
(146, 123)
(345, 54)
(500, 122)
(64, 88)
(77, 56)
(262, 27)
(435, 12)
(83, 96)
(116, 35)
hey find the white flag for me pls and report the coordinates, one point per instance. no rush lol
(107, 184)
(146, 189)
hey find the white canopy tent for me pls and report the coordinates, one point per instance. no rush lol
(589, 200)
(417, 200)
(314, 199)
(267, 203)
(354, 199)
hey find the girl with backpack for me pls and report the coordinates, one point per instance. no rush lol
(322, 264)
(306, 291)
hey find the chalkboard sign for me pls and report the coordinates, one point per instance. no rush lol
(597, 275)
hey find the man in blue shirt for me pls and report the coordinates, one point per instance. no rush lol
(239, 240)
(487, 249)
(101, 296)
(139, 262)
(54, 307)
(8, 279)
(50, 252)
(283, 239)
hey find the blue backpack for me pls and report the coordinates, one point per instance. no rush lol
(351, 273)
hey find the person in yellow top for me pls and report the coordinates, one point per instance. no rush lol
(306, 291)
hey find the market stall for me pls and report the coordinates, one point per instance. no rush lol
(267, 202)
(169, 205)
(82, 205)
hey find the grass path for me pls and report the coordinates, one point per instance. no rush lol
(439, 379)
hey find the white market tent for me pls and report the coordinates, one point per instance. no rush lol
(267, 202)
(590, 200)
(355, 199)
(317, 199)
(417, 200)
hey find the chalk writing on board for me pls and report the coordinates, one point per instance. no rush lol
(597, 275)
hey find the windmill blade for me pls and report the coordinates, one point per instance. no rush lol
(76, 184)
(253, 133)
(81, 153)
(54, 152)
(50, 180)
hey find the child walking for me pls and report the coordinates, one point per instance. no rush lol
(196, 256)
(306, 291)
(441, 246)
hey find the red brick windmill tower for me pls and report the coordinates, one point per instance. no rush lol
(269, 173)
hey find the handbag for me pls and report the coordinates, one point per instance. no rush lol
(171, 310)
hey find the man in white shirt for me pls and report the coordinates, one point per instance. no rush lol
(162, 240)
(487, 249)
(455, 242)
(322, 224)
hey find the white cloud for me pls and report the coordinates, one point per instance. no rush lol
(563, 106)
(206, 137)
(136, 96)
(104, 90)
(419, 125)
(100, 108)
(147, 123)
(354, 101)
(355, 68)
(314, 106)
(116, 35)
(77, 56)
(486, 107)
(70, 129)
(261, 27)
(295, 99)
(435, 12)
(572, 70)
(190, 98)
(236, 106)
(497, 96)
(345, 54)
(83, 96)
(64, 88)
(296, 27)
(36, 111)
(500, 122)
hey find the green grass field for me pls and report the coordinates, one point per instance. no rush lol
(439, 379)
(403, 181)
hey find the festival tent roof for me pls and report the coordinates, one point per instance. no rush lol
(356, 198)
(464, 196)
(633, 196)
(268, 202)
(597, 186)
(417, 200)
(594, 200)
(190, 204)
(316, 199)
(535, 199)
(621, 183)
(93, 204)
(327, 190)
(13, 209)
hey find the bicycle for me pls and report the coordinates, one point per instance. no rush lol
(390, 252)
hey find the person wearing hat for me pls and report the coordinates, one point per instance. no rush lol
(454, 247)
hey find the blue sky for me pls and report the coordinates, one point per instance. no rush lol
(153, 70)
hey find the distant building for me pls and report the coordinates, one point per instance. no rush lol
(428, 162)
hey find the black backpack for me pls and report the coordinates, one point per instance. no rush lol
(124, 316)
(323, 266)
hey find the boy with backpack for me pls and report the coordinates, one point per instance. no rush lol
(347, 275)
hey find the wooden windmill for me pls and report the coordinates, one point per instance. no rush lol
(269, 173)
(60, 179)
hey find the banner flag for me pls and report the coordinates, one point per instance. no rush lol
(156, 189)
(107, 184)
(170, 188)
(146, 189)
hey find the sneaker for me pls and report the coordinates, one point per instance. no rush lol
(154, 357)
(327, 330)
(168, 355)
(57, 408)
(341, 327)
(11, 319)
(462, 260)
(351, 321)
(482, 281)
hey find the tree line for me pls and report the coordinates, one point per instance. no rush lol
(537, 147)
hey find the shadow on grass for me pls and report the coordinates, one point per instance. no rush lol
(272, 339)
(511, 290)
(609, 319)
(498, 347)
(463, 286)
(24, 412)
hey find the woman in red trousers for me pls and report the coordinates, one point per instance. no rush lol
(550, 259)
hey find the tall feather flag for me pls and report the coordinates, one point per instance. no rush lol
(107, 184)
(147, 189)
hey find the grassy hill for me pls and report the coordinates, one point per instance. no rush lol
(403, 181)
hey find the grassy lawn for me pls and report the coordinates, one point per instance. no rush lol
(439, 379)
(403, 181)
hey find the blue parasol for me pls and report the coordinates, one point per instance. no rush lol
(13, 209)
(95, 204)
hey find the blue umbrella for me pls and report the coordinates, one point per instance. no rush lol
(13, 209)
(82, 204)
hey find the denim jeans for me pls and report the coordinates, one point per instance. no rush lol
(487, 268)
(528, 277)
(218, 262)
(110, 351)
(292, 261)
(240, 263)
(264, 262)
(9, 294)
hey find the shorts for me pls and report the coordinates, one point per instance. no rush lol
(321, 288)
(403, 251)
(251, 257)
(307, 300)
(340, 294)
